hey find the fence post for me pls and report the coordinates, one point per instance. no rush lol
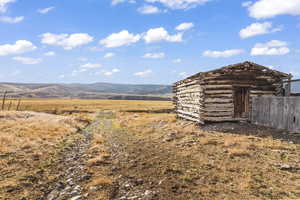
(9, 106)
(19, 102)
(3, 100)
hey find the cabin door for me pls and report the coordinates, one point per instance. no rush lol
(241, 103)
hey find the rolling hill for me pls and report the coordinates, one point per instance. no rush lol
(87, 91)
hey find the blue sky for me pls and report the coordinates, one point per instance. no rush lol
(143, 41)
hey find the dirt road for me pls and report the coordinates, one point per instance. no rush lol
(156, 161)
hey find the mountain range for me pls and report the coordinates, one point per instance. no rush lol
(87, 91)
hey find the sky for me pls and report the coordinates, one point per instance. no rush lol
(143, 41)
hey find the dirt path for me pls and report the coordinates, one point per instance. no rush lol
(140, 167)
(71, 171)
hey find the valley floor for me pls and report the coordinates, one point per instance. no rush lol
(141, 151)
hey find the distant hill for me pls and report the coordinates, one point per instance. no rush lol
(88, 91)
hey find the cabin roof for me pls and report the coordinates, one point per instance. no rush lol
(245, 65)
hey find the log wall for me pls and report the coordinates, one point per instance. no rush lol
(188, 100)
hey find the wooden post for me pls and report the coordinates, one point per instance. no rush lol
(18, 105)
(289, 86)
(9, 106)
(3, 100)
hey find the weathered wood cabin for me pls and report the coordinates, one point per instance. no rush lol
(225, 94)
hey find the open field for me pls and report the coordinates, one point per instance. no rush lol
(100, 149)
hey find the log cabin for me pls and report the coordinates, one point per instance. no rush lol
(225, 94)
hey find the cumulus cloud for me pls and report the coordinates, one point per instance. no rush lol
(184, 26)
(4, 4)
(120, 39)
(21, 46)
(223, 54)
(115, 2)
(154, 55)
(28, 60)
(45, 10)
(91, 66)
(258, 29)
(271, 8)
(179, 4)
(247, 3)
(67, 41)
(149, 9)
(113, 71)
(143, 73)
(109, 55)
(271, 48)
(49, 53)
(11, 20)
(160, 34)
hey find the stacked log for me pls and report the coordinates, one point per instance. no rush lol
(188, 100)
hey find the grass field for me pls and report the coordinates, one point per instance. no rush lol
(139, 150)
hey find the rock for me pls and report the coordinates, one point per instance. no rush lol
(53, 195)
(76, 197)
(93, 188)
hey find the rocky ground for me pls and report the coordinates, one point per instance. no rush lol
(149, 156)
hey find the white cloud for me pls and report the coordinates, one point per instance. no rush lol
(28, 60)
(67, 41)
(45, 10)
(271, 48)
(144, 73)
(271, 8)
(258, 29)
(179, 4)
(109, 73)
(160, 34)
(115, 2)
(178, 60)
(91, 66)
(120, 39)
(49, 53)
(149, 9)
(11, 20)
(3, 5)
(21, 46)
(247, 3)
(109, 55)
(223, 54)
(154, 55)
(184, 26)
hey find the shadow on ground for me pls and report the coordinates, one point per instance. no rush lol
(244, 128)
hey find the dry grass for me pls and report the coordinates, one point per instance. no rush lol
(29, 142)
(100, 181)
(213, 165)
(222, 165)
(79, 105)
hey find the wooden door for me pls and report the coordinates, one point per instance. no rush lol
(241, 103)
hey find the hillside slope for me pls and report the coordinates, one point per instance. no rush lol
(87, 91)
